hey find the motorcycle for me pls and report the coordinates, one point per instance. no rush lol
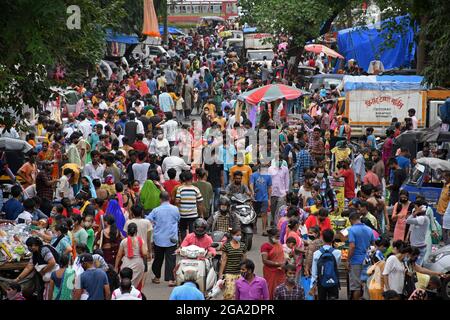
(219, 238)
(241, 205)
(193, 258)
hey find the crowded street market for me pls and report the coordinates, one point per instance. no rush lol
(217, 165)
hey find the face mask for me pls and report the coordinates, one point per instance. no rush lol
(223, 210)
(320, 175)
(310, 237)
(87, 224)
(403, 200)
(290, 280)
(11, 294)
(244, 275)
(295, 190)
(274, 240)
(237, 238)
(160, 137)
(136, 189)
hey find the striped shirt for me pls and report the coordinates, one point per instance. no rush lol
(188, 196)
(234, 258)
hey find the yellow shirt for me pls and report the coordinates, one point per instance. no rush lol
(341, 154)
(246, 173)
(313, 209)
(149, 113)
(443, 200)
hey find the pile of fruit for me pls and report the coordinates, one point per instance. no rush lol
(12, 243)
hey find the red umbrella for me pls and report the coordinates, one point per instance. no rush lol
(319, 48)
(269, 93)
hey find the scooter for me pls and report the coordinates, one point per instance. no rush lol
(193, 258)
(241, 205)
(219, 239)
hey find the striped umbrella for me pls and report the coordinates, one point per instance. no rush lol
(269, 93)
(318, 48)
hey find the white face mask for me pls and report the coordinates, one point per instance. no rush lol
(320, 175)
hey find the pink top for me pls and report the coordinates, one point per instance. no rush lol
(203, 242)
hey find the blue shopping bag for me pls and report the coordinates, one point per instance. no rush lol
(306, 285)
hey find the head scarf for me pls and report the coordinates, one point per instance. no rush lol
(91, 187)
(115, 210)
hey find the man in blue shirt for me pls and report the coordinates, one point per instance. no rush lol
(165, 101)
(13, 207)
(151, 84)
(188, 290)
(360, 237)
(261, 188)
(165, 220)
(202, 87)
(402, 160)
(93, 280)
(371, 140)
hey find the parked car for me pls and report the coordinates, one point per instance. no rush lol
(325, 79)
(439, 261)
(305, 74)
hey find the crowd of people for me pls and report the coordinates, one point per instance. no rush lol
(148, 163)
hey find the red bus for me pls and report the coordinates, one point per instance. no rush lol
(190, 11)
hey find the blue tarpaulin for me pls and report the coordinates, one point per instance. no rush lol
(383, 83)
(364, 44)
(121, 38)
(171, 30)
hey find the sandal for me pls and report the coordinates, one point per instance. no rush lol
(156, 280)
(172, 284)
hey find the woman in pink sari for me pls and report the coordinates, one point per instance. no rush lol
(399, 215)
(273, 259)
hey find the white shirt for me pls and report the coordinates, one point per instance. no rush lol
(102, 105)
(135, 294)
(174, 162)
(63, 187)
(93, 172)
(170, 129)
(140, 172)
(140, 126)
(85, 128)
(162, 147)
(28, 217)
(11, 134)
(395, 270)
(414, 122)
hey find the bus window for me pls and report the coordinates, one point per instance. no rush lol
(217, 8)
(189, 9)
(196, 8)
(182, 9)
(177, 9)
(205, 8)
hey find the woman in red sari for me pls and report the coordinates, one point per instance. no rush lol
(273, 261)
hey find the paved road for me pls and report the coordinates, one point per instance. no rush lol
(162, 291)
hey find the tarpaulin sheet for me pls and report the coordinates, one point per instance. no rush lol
(121, 38)
(171, 30)
(383, 83)
(364, 44)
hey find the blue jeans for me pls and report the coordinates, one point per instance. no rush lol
(216, 198)
(226, 175)
(419, 260)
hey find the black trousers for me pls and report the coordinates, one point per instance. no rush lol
(328, 293)
(167, 254)
(46, 206)
(186, 223)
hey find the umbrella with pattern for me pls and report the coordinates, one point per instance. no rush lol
(269, 93)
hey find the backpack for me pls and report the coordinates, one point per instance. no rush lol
(444, 111)
(327, 269)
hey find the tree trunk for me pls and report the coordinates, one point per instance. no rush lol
(348, 13)
(421, 46)
(166, 33)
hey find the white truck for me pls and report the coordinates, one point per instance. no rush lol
(374, 103)
(258, 48)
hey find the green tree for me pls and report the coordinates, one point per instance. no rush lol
(35, 34)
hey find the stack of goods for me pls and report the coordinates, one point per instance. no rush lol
(12, 242)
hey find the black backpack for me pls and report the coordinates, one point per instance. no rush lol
(327, 269)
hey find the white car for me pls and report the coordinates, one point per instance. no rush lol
(261, 57)
(145, 51)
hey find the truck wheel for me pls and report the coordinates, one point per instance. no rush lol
(446, 286)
